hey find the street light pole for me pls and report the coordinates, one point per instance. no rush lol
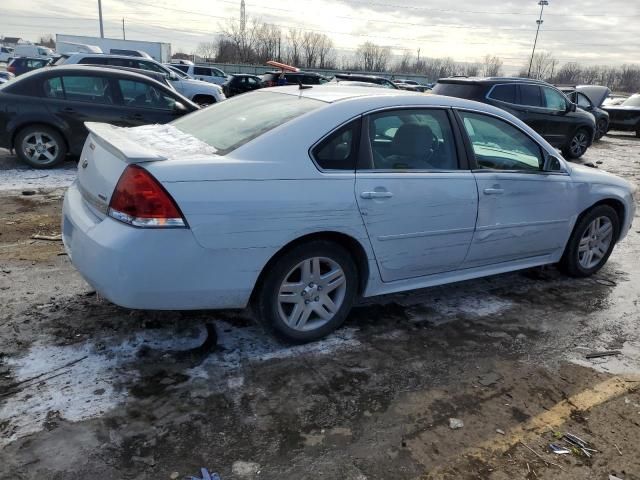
(100, 17)
(542, 4)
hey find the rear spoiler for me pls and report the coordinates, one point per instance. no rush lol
(115, 140)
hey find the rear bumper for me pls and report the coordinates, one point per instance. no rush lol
(164, 269)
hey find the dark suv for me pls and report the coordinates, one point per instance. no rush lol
(20, 65)
(540, 105)
(271, 79)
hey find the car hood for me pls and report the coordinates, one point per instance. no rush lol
(201, 84)
(595, 93)
(620, 108)
(582, 173)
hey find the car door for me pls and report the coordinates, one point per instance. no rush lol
(559, 123)
(145, 103)
(523, 211)
(253, 84)
(530, 107)
(79, 98)
(417, 197)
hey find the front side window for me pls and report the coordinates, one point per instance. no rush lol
(339, 150)
(87, 89)
(202, 71)
(183, 68)
(141, 64)
(504, 93)
(497, 145)
(554, 100)
(530, 95)
(583, 101)
(412, 139)
(230, 124)
(143, 95)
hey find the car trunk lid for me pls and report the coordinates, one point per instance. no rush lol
(108, 151)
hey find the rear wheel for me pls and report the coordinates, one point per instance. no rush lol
(591, 242)
(309, 290)
(577, 145)
(601, 128)
(40, 146)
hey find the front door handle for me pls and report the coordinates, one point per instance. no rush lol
(369, 195)
(493, 191)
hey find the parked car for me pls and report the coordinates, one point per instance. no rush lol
(157, 76)
(129, 53)
(6, 54)
(540, 105)
(202, 93)
(589, 98)
(614, 99)
(43, 113)
(272, 79)
(626, 116)
(241, 83)
(21, 65)
(202, 72)
(411, 85)
(30, 50)
(353, 77)
(6, 76)
(303, 200)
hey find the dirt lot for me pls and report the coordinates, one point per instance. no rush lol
(88, 389)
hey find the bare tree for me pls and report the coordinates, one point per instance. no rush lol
(543, 65)
(294, 41)
(244, 39)
(207, 50)
(47, 41)
(569, 73)
(268, 43)
(373, 58)
(470, 69)
(492, 66)
(326, 52)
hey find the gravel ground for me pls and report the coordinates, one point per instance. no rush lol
(88, 389)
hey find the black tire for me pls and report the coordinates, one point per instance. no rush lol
(638, 131)
(601, 129)
(570, 262)
(267, 306)
(577, 145)
(47, 152)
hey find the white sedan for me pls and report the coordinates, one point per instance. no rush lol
(300, 200)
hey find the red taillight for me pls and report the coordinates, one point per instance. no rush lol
(140, 200)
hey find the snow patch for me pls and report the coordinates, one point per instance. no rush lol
(444, 310)
(21, 179)
(169, 141)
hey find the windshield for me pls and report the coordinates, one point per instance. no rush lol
(632, 101)
(230, 124)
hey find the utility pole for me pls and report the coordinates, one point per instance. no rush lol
(542, 4)
(100, 17)
(243, 17)
(124, 36)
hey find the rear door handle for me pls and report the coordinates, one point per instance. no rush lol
(369, 195)
(493, 191)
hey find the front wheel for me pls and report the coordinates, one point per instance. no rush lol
(309, 290)
(591, 242)
(601, 128)
(577, 145)
(40, 146)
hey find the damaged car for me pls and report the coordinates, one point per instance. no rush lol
(590, 99)
(298, 201)
(626, 116)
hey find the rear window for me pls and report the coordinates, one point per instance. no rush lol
(230, 124)
(460, 90)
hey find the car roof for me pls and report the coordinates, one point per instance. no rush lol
(107, 55)
(108, 71)
(491, 80)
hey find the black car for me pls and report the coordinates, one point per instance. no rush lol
(42, 113)
(20, 65)
(354, 77)
(241, 83)
(589, 98)
(540, 105)
(273, 79)
(625, 116)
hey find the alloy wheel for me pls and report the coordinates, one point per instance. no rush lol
(312, 293)
(41, 148)
(595, 242)
(601, 129)
(578, 144)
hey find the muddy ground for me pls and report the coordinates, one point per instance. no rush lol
(90, 390)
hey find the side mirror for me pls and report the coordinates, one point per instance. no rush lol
(553, 164)
(571, 107)
(173, 76)
(179, 109)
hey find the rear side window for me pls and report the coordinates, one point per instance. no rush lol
(95, 61)
(230, 124)
(87, 89)
(340, 149)
(183, 68)
(504, 93)
(530, 96)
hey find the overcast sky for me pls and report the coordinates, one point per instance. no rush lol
(591, 32)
